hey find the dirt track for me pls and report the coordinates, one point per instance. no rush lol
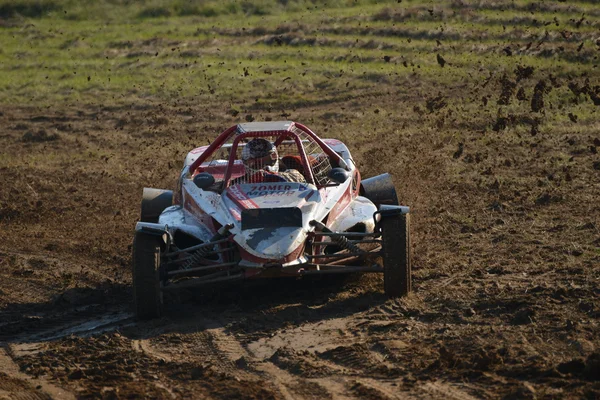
(506, 237)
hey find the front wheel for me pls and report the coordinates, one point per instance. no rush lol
(147, 295)
(397, 274)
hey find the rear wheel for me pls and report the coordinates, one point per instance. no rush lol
(147, 295)
(397, 274)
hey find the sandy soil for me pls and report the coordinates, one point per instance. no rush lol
(505, 242)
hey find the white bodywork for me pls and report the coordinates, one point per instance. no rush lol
(274, 244)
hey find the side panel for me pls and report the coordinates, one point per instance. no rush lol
(176, 218)
(359, 211)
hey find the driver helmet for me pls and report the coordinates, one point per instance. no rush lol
(260, 154)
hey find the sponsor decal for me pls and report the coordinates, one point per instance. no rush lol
(272, 193)
(240, 198)
(276, 189)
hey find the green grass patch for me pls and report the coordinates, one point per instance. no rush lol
(276, 51)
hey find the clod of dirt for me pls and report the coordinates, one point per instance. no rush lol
(196, 373)
(595, 97)
(576, 89)
(546, 199)
(436, 103)
(241, 363)
(39, 136)
(459, 151)
(574, 367)
(501, 124)
(378, 327)
(469, 312)
(535, 126)
(556, 83)
(588, 369)
(592, 367)
(484, 360)
(521, 96)
(447, 358)
(586, 307)
(51, 247)
(524, 316)
(523, 72)
(508, 90)
(440, 60)
(570, 325)
(77, 374)
(537, 101)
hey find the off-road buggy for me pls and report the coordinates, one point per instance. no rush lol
(221, 225)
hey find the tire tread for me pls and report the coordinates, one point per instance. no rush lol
(146, 283)
(397, 275)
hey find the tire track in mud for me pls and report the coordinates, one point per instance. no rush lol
(440, 389)
(222, 352)
(84, 321)
(311, 354)
(19, 386)
(358, 359)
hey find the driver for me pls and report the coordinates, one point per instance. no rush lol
(261, 163)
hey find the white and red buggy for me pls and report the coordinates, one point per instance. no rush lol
(223, 224)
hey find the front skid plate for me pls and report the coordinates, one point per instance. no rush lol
(273, 272)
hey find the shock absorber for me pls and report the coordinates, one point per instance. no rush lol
(341, 241)
(196, 258)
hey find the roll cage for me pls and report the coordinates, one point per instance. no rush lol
(315, 157)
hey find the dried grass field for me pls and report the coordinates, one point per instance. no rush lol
(485, 112)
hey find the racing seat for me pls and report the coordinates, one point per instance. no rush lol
(293, 162)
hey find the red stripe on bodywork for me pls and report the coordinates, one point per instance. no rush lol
(340, 206)
(237, 195)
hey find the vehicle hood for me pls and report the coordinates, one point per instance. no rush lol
(270, 195)
(272, 219)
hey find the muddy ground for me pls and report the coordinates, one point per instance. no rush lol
(506, 239)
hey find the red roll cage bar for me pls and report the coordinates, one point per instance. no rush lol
(283, 134)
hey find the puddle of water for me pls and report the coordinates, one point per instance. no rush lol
(312, 337)
(88, 327)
